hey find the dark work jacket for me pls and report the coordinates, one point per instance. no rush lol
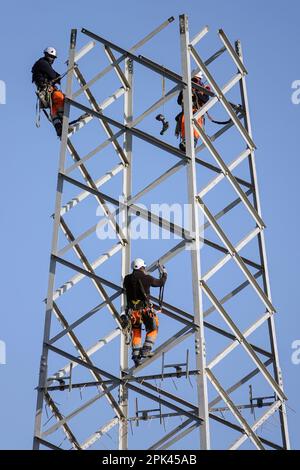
(42, 72)
(198, 97)
(133, 288)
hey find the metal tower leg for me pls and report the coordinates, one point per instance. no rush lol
(126, 252)
(263, 255)
(54, 247)
(194, 230)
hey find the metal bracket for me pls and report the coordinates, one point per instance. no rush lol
(145, 415)
(259, 402)
(182, 369)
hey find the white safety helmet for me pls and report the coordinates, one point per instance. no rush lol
(50, 51)
(199, 75)
(138, 263)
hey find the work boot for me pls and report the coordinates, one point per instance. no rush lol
(58, 128)
(137, 361)
(136, 356)
(146, 352)
(182, 146)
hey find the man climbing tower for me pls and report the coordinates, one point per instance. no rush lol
(46, 79)
(199, 98)
(140, 309)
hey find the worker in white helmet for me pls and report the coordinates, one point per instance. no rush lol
(46, 79)
(140, 309)
(199, 98)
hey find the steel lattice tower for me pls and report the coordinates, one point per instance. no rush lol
(225, 332)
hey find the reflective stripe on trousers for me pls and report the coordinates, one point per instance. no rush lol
(151, 322)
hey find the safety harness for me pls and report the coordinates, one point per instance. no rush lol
(44, 97)
(144, 306)
(44, 101)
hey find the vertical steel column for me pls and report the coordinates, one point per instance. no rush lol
(54, 246)
(263, 253)
(194, 229)
(126, 251)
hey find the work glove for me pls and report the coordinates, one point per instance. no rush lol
(162, 270)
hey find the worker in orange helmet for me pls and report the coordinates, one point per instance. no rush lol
(46, 80)
(140, 310)
(199, 98)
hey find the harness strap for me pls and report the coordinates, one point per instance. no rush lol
(48, 97)
(47, 115)
(37, 112)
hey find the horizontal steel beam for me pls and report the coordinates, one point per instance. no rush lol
(157, 220)
(64, 371)
(93, 276)
(174, 77)
(132, 130)
(140, 378)
(45, 443)
(99, 182)
(124, 382)
(132, 49)
(102, 106)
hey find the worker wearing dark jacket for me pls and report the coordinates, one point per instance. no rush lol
(46, 78)
(137, 286)
(199, 98)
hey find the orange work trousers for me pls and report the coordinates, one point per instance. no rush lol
(58, 101)
(150, 319)
(200, 121)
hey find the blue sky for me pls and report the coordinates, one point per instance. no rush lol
(270, 37)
